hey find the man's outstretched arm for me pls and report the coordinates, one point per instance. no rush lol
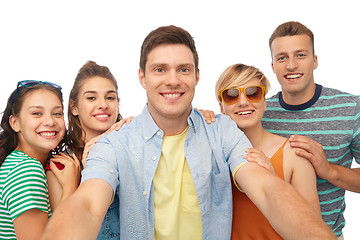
(81, 215)
(289, 214)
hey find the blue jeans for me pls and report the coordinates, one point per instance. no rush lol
(110, 228)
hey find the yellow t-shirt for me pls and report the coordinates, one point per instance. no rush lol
(177, 212)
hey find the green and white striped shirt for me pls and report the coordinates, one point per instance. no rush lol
(331, 118)
(23, 186)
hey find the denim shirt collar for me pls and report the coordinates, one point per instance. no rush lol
(152, 129)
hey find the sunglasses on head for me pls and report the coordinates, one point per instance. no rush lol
(231, 96)
(30, 83)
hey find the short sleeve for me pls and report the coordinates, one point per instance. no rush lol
(25, 188)
(101, 163)
(355, 144)
(235, 143)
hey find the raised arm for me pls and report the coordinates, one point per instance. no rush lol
(80, 216)
(285, 209)
(342, 177)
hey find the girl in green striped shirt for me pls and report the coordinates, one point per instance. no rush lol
(33, 127)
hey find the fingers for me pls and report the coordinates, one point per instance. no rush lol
(64, 160)
(208, 115)
(128, 120)
(118, 125)
(258, 157)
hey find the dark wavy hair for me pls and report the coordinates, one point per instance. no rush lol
(77, 135)
(8, 137)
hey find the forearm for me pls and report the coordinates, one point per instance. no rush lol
(345, 178)
(72, 220)
(80, 215)
(54, 188)
(288, 208)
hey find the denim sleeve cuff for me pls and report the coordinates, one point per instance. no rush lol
(100, 174)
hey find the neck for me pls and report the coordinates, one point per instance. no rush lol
(256, 135)
(41, 157)
(171, 128)
(171, 125)
(301, 97)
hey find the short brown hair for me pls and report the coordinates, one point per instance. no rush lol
(167, 35)
(292, 29)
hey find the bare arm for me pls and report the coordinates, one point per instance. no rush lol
(80, 216)
(301, 175)
(54, 188)
(342, 177)
(285, 209)
(30, 224)
(62, 183)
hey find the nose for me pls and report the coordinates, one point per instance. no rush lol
(242, 100)
(102, 103)
(49, 120)
(291, 64)
(172, 78)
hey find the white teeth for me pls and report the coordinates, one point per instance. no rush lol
(171, 95)
(47, 134)
(244, 113)
(102, 116)
(293, 76)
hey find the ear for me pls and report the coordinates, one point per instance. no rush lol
(73, 108)
(315, 62)
(142, 78)
(264, 99)
(14, 123)
(272, 67)
(197, 77)
(222, 108)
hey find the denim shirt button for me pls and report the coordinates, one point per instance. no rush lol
(144, 193)
(158, 133)
(153, 158)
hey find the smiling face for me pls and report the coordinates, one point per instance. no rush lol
(169, 82)
(293, 62)
(97, 106)
(246, 114)
(40, 124)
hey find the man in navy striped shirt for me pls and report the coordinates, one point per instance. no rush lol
(327, 119)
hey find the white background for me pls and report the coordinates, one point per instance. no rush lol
(51, 40)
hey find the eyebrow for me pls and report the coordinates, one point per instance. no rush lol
(94, 92)
(297, 51)
(165, 65)
(42, 107)
(187, 65)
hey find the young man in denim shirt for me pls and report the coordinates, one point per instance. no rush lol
(172, 169)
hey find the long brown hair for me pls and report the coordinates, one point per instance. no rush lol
(8, 137)
(77, 135)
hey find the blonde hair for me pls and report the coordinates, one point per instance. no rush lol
(239, 74)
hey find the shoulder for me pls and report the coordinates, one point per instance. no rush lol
(19, 160)
(292, 160)
(338, 95)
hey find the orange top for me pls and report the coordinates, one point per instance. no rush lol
(248, 222)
